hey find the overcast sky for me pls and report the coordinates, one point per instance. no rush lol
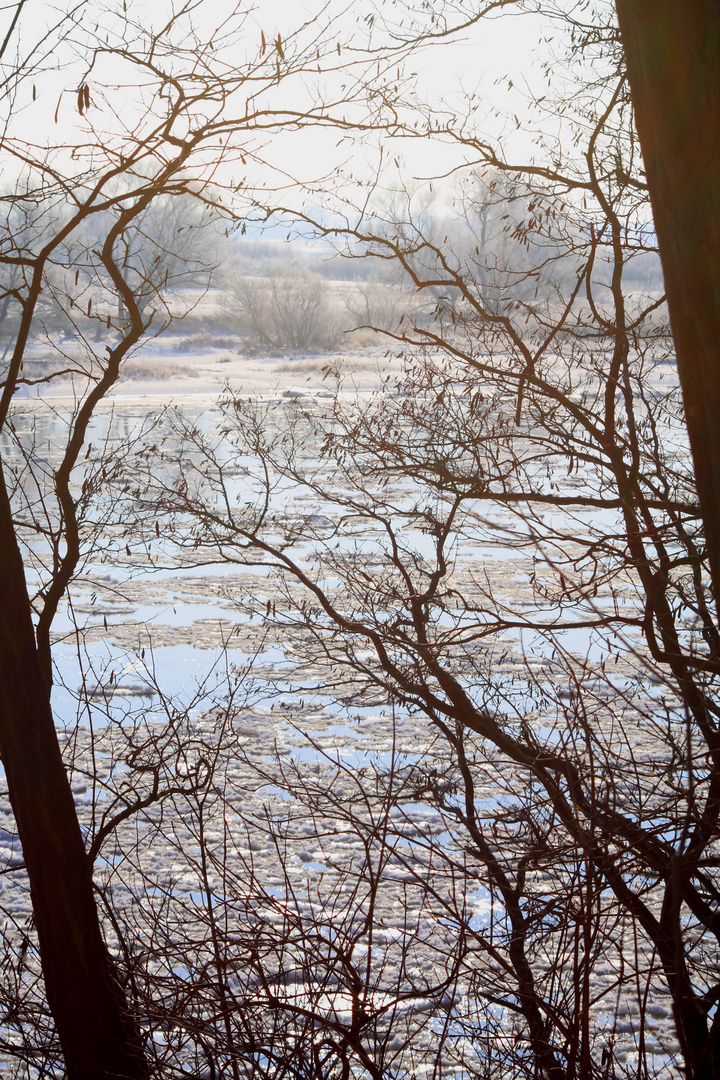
(482, 60)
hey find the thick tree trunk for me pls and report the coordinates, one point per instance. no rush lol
(672, 49)
(98, 1041)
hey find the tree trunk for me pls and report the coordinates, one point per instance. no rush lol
(672, 49)
(97, 1038)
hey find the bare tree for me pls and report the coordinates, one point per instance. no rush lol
(179, 103)
(285, 308)
(507, 545)
(503, 550)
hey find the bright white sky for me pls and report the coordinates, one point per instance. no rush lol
(482, 60)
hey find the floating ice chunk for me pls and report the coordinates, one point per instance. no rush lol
(105, 691)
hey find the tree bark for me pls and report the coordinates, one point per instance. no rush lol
(672, 51)
(98, 1039)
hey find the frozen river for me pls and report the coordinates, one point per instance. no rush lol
(279, 855)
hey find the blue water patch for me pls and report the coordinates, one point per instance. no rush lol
(106, 683)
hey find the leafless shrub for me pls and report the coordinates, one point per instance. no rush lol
(375, 306)
(290, 309)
